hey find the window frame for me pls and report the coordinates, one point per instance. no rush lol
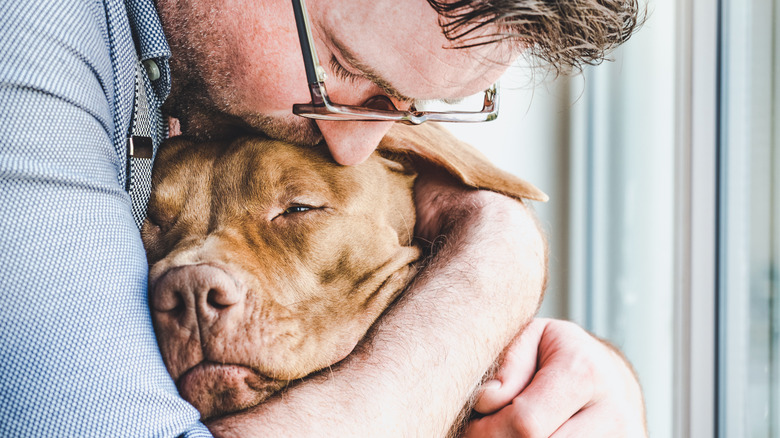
(697, 223)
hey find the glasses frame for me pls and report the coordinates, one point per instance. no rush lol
(321, 107)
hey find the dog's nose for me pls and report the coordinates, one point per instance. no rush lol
(207, 291)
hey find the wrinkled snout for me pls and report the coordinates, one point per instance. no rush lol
(196, 296)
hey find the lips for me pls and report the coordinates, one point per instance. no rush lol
(217, 389)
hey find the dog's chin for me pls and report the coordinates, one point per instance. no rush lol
(217, 389)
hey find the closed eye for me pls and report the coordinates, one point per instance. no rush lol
(342, 73)
(156, 222)
(297, 209)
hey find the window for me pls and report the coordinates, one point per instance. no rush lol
(749, 226)
(664, 219)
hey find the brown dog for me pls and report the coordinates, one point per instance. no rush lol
(269, 261)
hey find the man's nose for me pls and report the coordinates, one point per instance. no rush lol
(352, 142)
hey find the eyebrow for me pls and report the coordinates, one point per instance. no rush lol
(369, 72)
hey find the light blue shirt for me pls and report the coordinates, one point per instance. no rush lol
(78, 355)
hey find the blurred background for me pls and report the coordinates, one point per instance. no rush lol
(664, 211)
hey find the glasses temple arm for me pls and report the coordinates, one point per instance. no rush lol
(307, 42)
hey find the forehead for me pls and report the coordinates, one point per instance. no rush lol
(274, 173)
(403, 41)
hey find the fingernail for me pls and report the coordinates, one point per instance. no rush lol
(491, 385)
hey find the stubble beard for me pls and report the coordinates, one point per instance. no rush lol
(293, 129)
(203, 119)
(206, 105)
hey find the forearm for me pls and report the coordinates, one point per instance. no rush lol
(427, 354)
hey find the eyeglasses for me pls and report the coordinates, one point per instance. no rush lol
(378, 108)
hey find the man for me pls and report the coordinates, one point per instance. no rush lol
(78, 351)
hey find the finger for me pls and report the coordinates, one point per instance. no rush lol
(584, 425)
(497, 425)
(516, 370)
(512, 421)
(562, 387)
(602, 421)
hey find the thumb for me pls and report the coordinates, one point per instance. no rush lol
(517, 368)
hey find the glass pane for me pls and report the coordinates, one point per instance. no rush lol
(750, 232)
(623, 208)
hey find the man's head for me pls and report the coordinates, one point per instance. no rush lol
(240, 66)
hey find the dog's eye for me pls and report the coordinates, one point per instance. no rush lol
(297, 209)
(155, 222)
(297, 212)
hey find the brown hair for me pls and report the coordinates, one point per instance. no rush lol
(566, 34)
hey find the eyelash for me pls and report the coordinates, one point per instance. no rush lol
(342, 73)
(297, 209)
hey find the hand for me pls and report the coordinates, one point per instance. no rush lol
(557, 380)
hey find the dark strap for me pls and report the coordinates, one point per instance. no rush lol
(140, 148)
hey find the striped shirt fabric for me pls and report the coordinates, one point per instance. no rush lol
(78, 355)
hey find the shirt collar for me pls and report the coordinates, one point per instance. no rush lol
(151, 43)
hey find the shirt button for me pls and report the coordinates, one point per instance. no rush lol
(151, 69)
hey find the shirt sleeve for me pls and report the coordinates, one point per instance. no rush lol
(78, 355)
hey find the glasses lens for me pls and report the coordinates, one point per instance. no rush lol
(382, 103)
(469, 104)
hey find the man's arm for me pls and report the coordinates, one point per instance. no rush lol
(427, 354)
(78, 355)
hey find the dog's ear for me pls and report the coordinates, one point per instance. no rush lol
(434, 144)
